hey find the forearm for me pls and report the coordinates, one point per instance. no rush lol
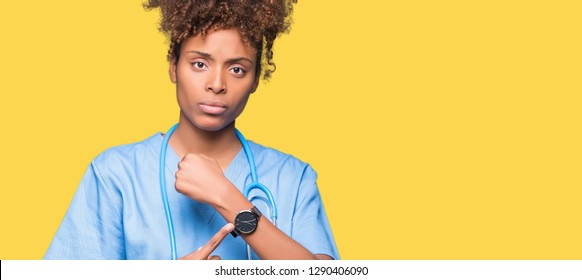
(267, 241)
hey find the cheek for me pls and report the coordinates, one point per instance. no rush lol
(241, 105)
(187, 88)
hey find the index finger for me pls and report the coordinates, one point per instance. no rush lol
(209, 247)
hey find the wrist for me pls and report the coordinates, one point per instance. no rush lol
(230, 202)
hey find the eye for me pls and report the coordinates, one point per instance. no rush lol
(199, 65)
(237, 71)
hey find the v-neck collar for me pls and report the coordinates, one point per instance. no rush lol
(232, 173)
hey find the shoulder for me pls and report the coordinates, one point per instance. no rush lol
(120, 157)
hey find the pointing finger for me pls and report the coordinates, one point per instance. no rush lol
(216, 240)
(203, 253)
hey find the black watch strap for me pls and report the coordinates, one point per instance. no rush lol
(256, 211)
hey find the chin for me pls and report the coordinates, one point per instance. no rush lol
(211, 126)
(209, 123)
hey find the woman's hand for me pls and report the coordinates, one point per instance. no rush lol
(203, 253)
(201, 178)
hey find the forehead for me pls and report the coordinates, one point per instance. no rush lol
(224, 43)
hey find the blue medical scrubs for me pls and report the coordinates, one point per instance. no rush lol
(117, 211)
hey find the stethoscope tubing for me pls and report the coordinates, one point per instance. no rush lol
(165, 195)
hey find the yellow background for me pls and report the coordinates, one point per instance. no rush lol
(440, 129)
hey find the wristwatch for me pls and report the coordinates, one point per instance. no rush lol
(246, 221)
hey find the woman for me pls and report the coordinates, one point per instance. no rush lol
(216, 48)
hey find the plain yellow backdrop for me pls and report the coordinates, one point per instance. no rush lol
(440, 129)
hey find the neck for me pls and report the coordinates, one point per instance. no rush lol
(222, 145)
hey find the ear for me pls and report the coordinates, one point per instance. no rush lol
(173, 70)
(255, 85)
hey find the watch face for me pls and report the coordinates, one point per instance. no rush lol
(246, 222)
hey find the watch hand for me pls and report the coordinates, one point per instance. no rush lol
(248, 222)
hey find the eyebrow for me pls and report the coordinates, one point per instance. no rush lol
(232, 60)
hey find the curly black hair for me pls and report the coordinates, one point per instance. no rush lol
(258, 21)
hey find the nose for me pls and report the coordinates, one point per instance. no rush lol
(216, 82)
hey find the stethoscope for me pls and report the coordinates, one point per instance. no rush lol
(254, 185)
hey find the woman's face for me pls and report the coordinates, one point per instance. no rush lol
(214, 77)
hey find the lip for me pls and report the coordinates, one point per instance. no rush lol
(212, 108)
